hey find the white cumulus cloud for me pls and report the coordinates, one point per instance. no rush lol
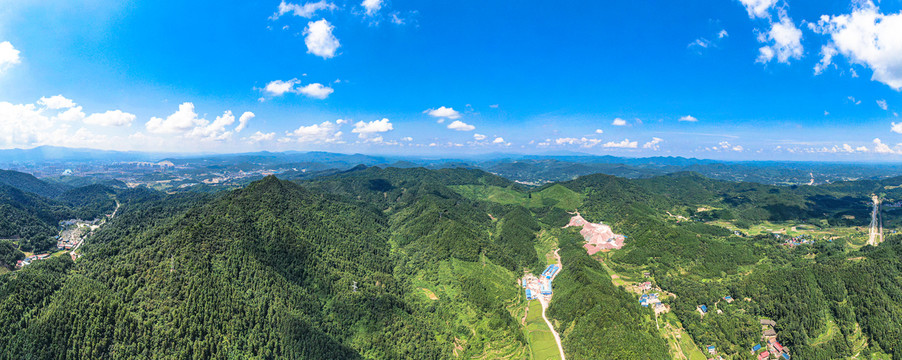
(784, 42)
(308, 10)
(56, 102)
(758, 8)
(260, 136)
(371, 6)
(443, 112)
(376, 126)
(185, 122)
(479, 137)
(897, 128)
(215, 130)
(866, 37)
(71, 115)
(111, 118)
(461, 126)
(881, 148)
(314, 90)
(625, 144)
(326, 132)
(319, 39)
(726, 146)
(584, 142)
(882, 104)
(619, 122)
(688, 118)
(242, 121)
(9, 56)
(182, 120)
(280, 87)
(654, 144)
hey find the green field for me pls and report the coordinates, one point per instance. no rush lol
(681, 344)
(541, 341)
(448, 280)
(546, 243)
(555, 195)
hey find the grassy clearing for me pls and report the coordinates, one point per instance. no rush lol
(541, 341)
(546, 243)
(858, 340)
(555, 195)
(429, 294)
(832, 330)
(792, 228)
(681, 344)
(476, 335)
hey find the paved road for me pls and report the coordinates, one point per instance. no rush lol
(876, 229)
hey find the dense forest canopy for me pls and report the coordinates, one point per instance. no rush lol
(402, 263)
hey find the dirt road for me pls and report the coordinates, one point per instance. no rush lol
(557, 337)
(544, 302)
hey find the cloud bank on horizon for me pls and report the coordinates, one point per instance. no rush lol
(762, 79)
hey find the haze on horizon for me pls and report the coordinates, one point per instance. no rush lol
(726, 79)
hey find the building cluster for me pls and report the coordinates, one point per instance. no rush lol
(649, 297)
(795, 240)
(772, 348)
(23, 263)
(542, 285)
(73, 232)
(647, 300)
(713, 351)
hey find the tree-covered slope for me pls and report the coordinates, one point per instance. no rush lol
(267, 271)
(274, 270)
(29, 217)
(29, 183)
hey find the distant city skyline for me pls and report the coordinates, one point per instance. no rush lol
(725, 79)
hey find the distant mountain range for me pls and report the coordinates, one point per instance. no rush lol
(535, 169)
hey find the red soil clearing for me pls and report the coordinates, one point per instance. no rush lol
(599, 237)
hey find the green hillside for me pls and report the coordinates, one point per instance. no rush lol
(412, 263)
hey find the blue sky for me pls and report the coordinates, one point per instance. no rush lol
(724, 79)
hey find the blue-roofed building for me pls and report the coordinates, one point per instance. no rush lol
(711, 349)
(756, 348)
(553, 271)
(786, 356)
(546, 288)
(528, 294)
(550, 271)
(703, 308)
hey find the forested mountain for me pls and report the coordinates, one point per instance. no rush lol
(30, 217)
(410, 263)
(29, 183)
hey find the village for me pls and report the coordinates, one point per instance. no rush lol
(72, 234)
(767, 348)
(600, 238)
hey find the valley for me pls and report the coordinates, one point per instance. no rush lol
(450, 254)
